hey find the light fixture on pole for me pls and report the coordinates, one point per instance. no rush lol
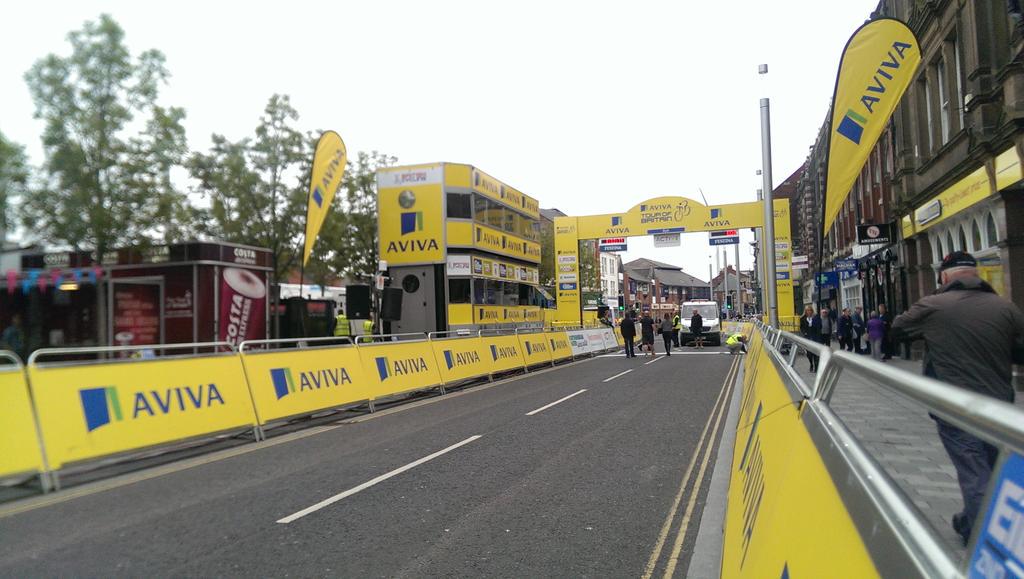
(769, 214)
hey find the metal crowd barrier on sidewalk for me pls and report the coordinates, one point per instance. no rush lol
(896, 532)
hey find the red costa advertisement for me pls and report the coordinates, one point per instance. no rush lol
(136, 314)
(242, 306)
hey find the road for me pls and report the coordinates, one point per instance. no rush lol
(492, 481)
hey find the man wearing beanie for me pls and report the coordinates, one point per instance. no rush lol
(972, 337)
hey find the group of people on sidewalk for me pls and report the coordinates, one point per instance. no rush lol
(850, 330)
(972, 339)
(670, 328)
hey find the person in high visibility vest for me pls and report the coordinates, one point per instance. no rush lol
(342, 328)
(677, 325)
(368, 327)
(737, 343)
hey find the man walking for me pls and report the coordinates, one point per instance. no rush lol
(677, 325)
(628, 329)
(972, 339)
(827, 328)
(887, 343)
(697, 329)
(859, 327)
(846, 330)
(810, 328)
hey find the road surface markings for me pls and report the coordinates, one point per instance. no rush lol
(617, 375)
(559, 401)
(654, 360)
(674, 353)
(673, 560)
(652, 562)
(377, 480)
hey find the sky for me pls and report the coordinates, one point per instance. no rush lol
(591, 107)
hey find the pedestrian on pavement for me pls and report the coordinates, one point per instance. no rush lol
(876, 331)
(677, 325)
(667, 332)
(887, 343)
(859, 327)
(846, 330)
(810, 328)
(647, 333)
(972, 339)
(827, 328)
(736, 343)
(697, 329)
(628, 329)
(13, 337)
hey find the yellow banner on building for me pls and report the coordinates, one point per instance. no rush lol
(460, 358)
(301, 381)
(410, 214)
(19, 445)
(497, 241)
(503, 353)
(504, 194)
(875, 70)
(92, 410)
(398, 367)
(325, 178)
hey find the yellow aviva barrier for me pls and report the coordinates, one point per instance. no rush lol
(300, 381)
(535, 349)
(785, 516)
(560, 346)
(19, 443)
(397, 367)
(460, 358)
(503, 353)
(91, 410)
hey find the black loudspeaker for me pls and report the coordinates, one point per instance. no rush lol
(357, 302)
(391, 304)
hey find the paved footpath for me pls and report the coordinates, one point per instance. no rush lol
(901, 436)
(576, 471)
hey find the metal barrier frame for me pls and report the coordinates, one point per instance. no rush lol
(906, 544)
(300, 341)
(47, 481)
(33, 359)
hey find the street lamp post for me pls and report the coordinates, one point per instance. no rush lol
(769, 213)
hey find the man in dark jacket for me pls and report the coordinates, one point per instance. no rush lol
(888, 344)
(810, 328)
(859, 327)
(628, 329)
(845, 331)
(972, 337)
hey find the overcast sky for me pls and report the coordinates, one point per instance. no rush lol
(591, 107)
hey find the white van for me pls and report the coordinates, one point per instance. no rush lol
(711, 312)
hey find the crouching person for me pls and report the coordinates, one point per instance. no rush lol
(737, 343)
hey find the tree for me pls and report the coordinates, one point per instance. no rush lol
(257, 188)
(13, 179)
(547, 253)
(109, 147)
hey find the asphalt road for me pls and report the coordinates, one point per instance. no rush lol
(590, 486)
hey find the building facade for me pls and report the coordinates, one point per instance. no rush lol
(660, 287)
(611, 277)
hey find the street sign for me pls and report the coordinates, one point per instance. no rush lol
(845, 265)
(998, 550)
(667, 240)
(727, 237)
(828, 280)
(612, 244)
(875, 234)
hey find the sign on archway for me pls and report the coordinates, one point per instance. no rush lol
(666, 215)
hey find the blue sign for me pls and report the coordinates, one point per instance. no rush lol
(666, 230)
(724, 240)
(846, 265)
(781, 275)
(567, 286)
(613, 247)
(828, 280)
(999, 548)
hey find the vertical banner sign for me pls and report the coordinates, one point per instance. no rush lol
(328, 167)
(136, 314)
(242, 295)
(875, 70)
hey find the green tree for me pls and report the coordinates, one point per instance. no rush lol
(547, 253)
(109, 147)
(257, 187)
(13, 179)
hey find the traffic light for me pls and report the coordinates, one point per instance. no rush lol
(622, 303)
(728, 302)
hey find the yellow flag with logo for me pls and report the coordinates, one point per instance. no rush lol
(875, 70)
(328, 168)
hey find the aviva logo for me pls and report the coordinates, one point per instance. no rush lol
(532, 347)
(100, 404)
(503, 352)
(852, 125)
(412, 221)
(457, 359)
(559, 344)
(284, 383)
(404, 367)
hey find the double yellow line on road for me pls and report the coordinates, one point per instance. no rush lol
(707, 442)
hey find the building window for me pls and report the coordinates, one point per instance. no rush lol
(990, 230)
(950, 248)
(460, 206)
(959, 84)
(944, 112)
(975, 235)
(963, 239)
(459, 291)
(926, 129)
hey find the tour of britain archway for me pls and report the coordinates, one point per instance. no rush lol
(666, 215)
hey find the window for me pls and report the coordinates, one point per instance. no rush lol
(459, 291)
(926, 130)
(959, 84)
(963, 239)
(949, 244)
(944, 112)
(975, 235)
(460, 206)
(990, 230)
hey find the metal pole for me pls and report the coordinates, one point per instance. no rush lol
(737, 302)
(718, 267)
(725, 278)
(711, 287)
(769, 215)
(759, 259)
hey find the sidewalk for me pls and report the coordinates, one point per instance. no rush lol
(901, 436)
